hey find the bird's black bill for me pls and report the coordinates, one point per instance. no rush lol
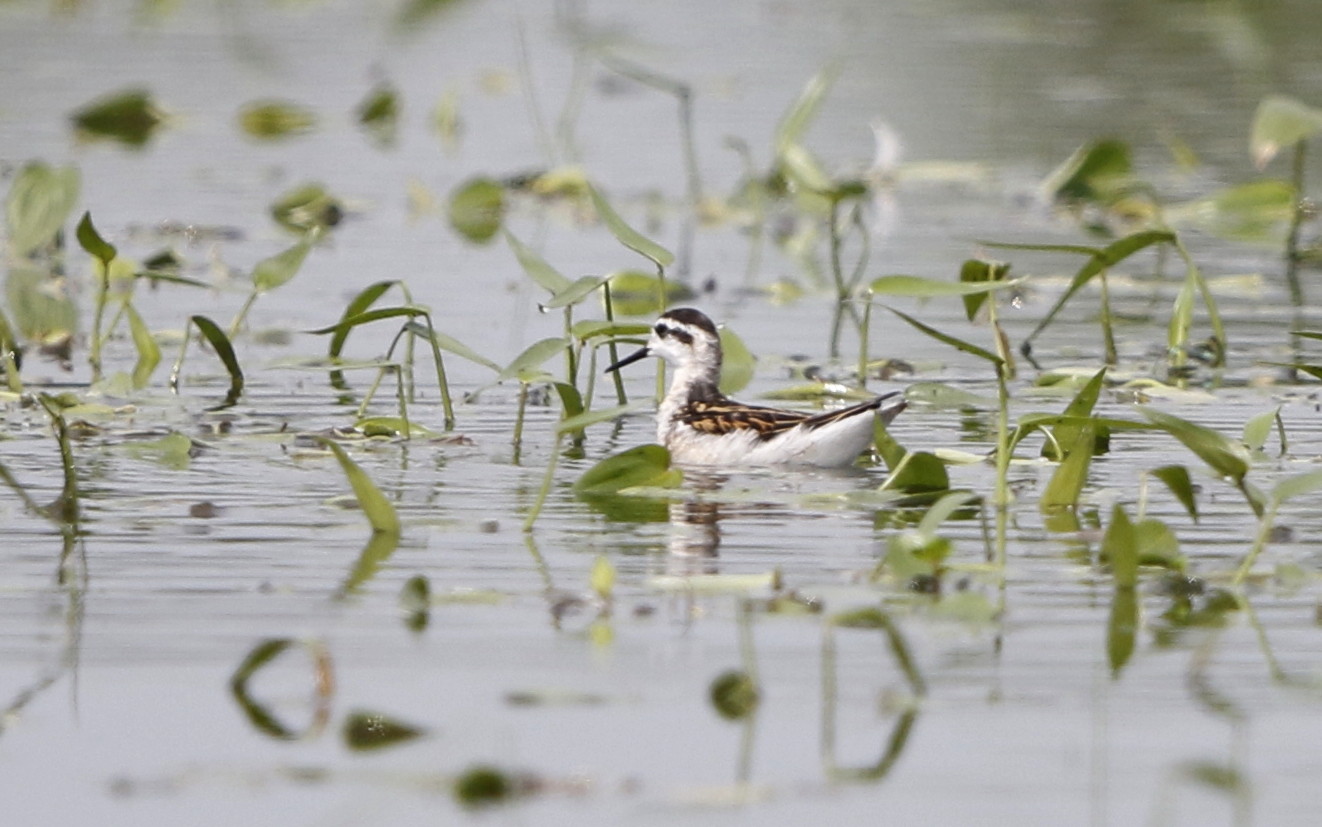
(629, 360)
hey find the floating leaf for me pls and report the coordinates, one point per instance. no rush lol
(1176, 478)
(644, 465)
(174, 450)
(1226, 457)
(1281, 121)
(272, 272)
(1257, 429)
(477, 209)
(373, 730)
(39, 202)
(273, 120)
(734, 695)
(379, 511)
(307, 207)
(128, 117)
(627, 235)
(1157, 545)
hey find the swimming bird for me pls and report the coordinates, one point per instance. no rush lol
(700, 425)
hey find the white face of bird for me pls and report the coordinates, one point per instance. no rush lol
(681, 337)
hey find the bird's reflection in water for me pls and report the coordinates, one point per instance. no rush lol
(695, 527)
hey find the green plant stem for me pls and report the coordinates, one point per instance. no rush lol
(615, 356)
(1108, 332)
(547, 479)
(1002, 498)
(1265, 524)
(242, 315)
(518, 421)
(1296, 221)
(98, 316)
(863, 336)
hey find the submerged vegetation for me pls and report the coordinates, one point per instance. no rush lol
(946, 520)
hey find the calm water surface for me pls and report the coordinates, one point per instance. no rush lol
(115, 663)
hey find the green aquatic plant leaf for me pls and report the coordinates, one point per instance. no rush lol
(259, 714)
(378, 113)
(602, 577)
(1257, 429)
(627, 235)
(924, 288)
(958, 344)
(358, 304)
(801, 113)
(220, 343)
(603, 329)
(363, 731)
(1121, 629)
(272, 272)
(450, 344)
(149, 353)
(533, 357)
(275, 120)
(378, 510)
(415, 602)
(738, 364)
(1102, 259)
(1078, 414)
(576, 292)
(307, 207)
(644, 465)
(477, 209)
(634, 293)
(578, 422)
(1157, 545)
(987, 274)
(43, 311)
(536, 267)
(1298, 485)
(734, 695)
(1120, 549)
(91, 241)
(1281, 121)
(130, 117)
(39, 202)
(1094, 172)
(1226, 457)
(174, 450)
(1066, 484)
(483, 786)
(1176, 478)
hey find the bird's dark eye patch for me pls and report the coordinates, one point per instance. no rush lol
(667, 332)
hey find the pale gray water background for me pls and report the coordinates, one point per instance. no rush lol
(1022, 723)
